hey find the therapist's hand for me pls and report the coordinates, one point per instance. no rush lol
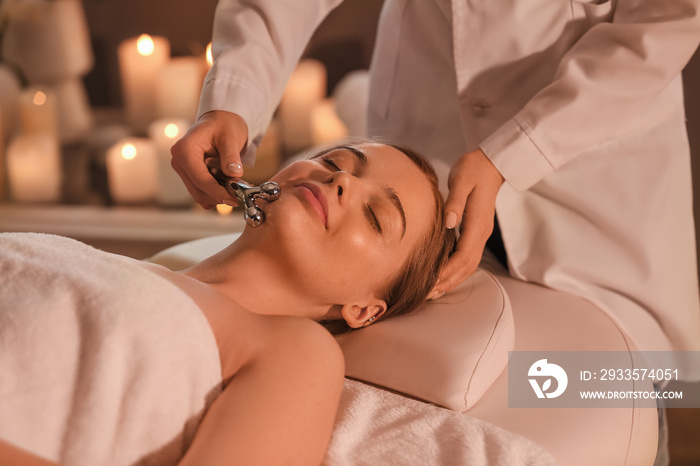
(474, 183)
(216, 134)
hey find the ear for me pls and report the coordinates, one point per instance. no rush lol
(357, 315)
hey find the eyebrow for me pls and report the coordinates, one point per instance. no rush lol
(396, 202)
(361, 157)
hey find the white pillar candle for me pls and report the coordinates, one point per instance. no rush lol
(9, 100)
(48, 40)
(73, 110)
(37, 111)
(140, 60)
(306, 86)
(267, 157)
(102, 139)
(351, 97)
(171, 190)
(34, 168)
(132, 171)
(325, 125)
(178, 85)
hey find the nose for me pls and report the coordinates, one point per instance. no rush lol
(342, 185)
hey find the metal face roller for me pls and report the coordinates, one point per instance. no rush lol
(245, 193)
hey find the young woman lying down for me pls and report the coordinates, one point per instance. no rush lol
(108, 360)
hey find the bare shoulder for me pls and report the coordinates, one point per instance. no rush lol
(297, 337)
(243, 336)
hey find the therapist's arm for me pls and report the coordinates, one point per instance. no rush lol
(256, 45)
(601, 92)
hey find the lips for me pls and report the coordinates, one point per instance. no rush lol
(316, 199)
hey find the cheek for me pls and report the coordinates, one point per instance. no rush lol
(365, 259)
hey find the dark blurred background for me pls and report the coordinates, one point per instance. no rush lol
(343, 42)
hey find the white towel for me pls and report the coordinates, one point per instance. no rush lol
(378, 427)
(101, 361)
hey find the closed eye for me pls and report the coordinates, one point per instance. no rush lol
(372, 219)
(330, 164)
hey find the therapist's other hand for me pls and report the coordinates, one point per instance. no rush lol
(216, 134)
(471, 203)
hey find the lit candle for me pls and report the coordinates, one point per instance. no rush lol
(34, 168)
(306, 86)
(9, 100)
(210, 56)
(48, 41)
(37, 111)
(74, 114)
(325, 125)
(140, 60)
(178, 85)
(132, 171)
(171, 190)
(267, 157)
(224, 209)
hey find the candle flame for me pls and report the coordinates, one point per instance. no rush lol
(145, 45)
(128, 151)
(171, 131)
(224, 209)
(210, 57)
(39, 98)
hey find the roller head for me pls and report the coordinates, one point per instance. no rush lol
(254, 216)
(270, 191)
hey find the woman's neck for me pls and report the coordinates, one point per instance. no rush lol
(252, 275)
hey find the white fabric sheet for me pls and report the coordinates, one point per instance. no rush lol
(378, 427)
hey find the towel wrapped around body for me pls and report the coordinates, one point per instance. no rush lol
(102, 362)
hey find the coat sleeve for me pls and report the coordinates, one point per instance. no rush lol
(607, 86)
(256, 45)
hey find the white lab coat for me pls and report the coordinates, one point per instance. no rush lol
(578, 103)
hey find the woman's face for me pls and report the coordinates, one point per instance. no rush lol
(347, 221)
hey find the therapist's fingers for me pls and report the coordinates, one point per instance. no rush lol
(476, 228)
(188, 162)
(474, 184)
(216, 134)
(230, 141)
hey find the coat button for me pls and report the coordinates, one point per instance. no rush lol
(481, 107)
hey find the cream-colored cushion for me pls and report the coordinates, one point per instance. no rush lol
(449, 353)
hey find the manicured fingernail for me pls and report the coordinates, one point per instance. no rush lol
(235, 167)
(229, 203)
(451, 220)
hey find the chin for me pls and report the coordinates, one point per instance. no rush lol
(291, 232)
